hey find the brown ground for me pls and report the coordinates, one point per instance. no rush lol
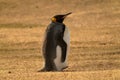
(95, 39)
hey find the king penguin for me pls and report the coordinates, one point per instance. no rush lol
(56, 44)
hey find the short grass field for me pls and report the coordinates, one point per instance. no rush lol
(95, 39)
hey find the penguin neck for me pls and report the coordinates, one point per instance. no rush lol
(58, 22)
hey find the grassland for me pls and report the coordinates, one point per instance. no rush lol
(95, 39)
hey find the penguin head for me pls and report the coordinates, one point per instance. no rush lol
(60, 18)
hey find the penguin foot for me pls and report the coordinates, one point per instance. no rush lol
(42, 70)
(64, 67)
(45, 70)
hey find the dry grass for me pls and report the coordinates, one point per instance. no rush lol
(88, 59)
(95, 39)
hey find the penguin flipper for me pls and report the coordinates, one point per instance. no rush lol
(64, 51)
(63, 46)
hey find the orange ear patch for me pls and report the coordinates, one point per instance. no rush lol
(53, 19)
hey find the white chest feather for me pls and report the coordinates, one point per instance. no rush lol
(57, 60)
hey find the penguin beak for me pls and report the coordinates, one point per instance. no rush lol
(67, 14)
